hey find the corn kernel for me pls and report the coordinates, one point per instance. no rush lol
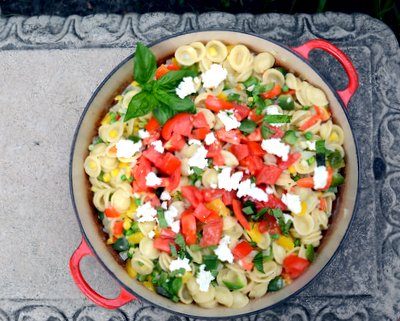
(132, 273)
(106, 177)
(333, 138)
(135, 238)
(127, 224)
(212, 51)
(255, 234)
(106, 120)
(186, 277)
(115, 172)
(92, 165)
(111, 240)
(123, 165)
(303, 209)
(292, 170)
(286, 243)
(119, 98)
(113, 133)
(149, 285)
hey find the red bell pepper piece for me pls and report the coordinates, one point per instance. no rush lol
(237, 210)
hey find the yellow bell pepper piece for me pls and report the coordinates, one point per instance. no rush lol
(132, 273)
(106, 120)
(303, 209)
(135, 238)
(255, 234)
(218, 206)
(127, 224)
(115, 172)
(222, 96)
(123, 165)
(292, 170)
(149, 285)
(286, 243)
(186, 276)
(106, 177)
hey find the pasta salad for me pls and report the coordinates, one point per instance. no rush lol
(214, 174)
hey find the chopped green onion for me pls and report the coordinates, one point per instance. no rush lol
(141, 277)
(100, 215)
(320, 146)
(276, 212)
(134, 138)
(285, 227)
(124, 178)
(285, 88)
(162, 222)
(251, 81)
(290, 137)
(280, 119)
(248, 210)
(180, 241)
(335, 159)
(138, 201)
(337, 179)
(306, 107)
(282, 70)
(311, 160)
(310, 253)
(121, 244)
(297, 242)
(259, 261)
(101, 176)
(194, 247)
(172, 247)
(210, 261)
(234, 97)
(180, 271)
(135, 227)
(248, 126)
(275, 236)
(266, 132)
(296, 178)
(286, 102)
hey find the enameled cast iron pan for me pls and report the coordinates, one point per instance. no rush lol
(294, 59)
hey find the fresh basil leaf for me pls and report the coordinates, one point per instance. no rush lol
(180, 241)
(248, 210)
(259, 262)
(297, 242)
(121, 244)
(177, 104)
(250, 81)
(337, 180)
(172, 247)
(248, 126)
(276, 212)
(275, 236)
(285, 227)
(172, 79)
(320, 146)
(163, 113)
(140, 105)
(266, 132)
(280, 119)
(180, 271)
(210, 261)
(144, 64)
(234, 97)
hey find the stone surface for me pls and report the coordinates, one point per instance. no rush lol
(43, 92)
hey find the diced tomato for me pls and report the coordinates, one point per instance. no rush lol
(118, 228)
(152, 125)
(111, 212)
(200, 133)
(155, 135)
(214, 152)
(162, 244)
(309, 122)
(254, 136)
(152, 155)
(322, 112)
(176, 143)
(237, 210)
(290, 92)
(330, 177)
(278, 133)
(231, 136)
(193, 195)
(253, 116)
(180, 124)
(215, 104)
(240, 111)
(270, 224)
(168, 164)
(201, 212)
(188, 223)
(240, 151)
(295, 265)
(268, 175)
(252, 163)
(306, 182)
(172, 182)
(227, 197)
(273, 202)
(292, 158)
(210, 194)
(200, 121)
(140, 172)
(167, 233)
(152, 198)
(272, 93)
(241, 250)
(214, 216)
(255, 149)
(212, 232)
(246, 264)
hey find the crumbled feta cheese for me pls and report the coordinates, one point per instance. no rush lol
(170, 215)
(199, 158)
(158, 146)
(214, 76)
(310, 145)
(204, 278)
(152, 180)
(223, 252)
(293, 202)
(194, 142)
(164, 205)
(210, 138)
(228, 182)
(269, 190)
(186, 87)
(213, 185)
(143, 133)
(146, 213)
(179, 264)
(320, 177)
(276, 147)
(151, 234)
(165, 196)
(228, 119)
(127, 148)
(247, 188)
(287, 217)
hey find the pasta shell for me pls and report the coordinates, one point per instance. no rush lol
(216, 51)
(263, 61)
(186, 55)
(273, 76)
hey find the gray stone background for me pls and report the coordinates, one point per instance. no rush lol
(49, 67)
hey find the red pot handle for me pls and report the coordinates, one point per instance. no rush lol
(83, 250)
(348, 66)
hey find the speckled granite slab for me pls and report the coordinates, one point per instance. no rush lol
(43, 92)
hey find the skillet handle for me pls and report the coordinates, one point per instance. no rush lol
(348, 66)
(82, 251)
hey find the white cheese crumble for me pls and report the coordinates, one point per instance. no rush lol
(143, 133)
(228, 119)
(127, 148)
(204, 278)
(170, 215)
(213, 76)
(179, 264)
(199, 158)
(165, 196)
(152, 180)
(158, 146)
(213, 185)
(292, 201)
(186, 87)
(275, 147)
(151, 234)
(269, 190)
(228, 182)
(164, 205)
(223, 252)
(210, 138)
(320, 177)
(287, 217)
(194, 142)
(247, 188)
(146, 213)
(310, 145)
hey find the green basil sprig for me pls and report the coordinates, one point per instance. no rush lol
(156, 95)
